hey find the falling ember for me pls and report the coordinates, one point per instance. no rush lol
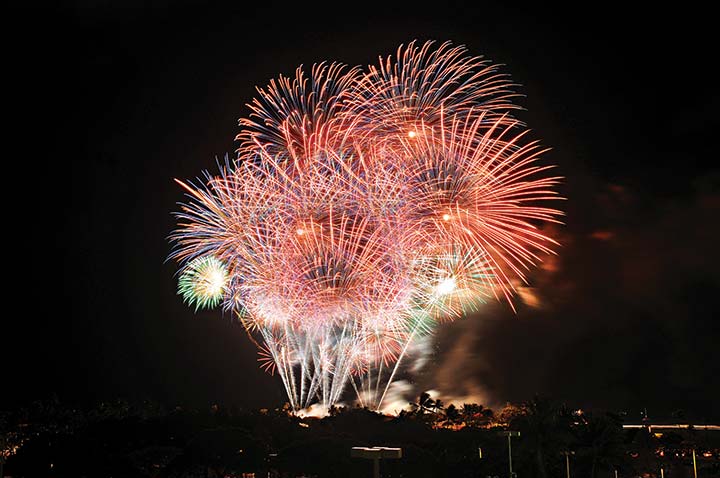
(324, 237)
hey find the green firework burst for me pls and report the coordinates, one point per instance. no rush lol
(203, 282)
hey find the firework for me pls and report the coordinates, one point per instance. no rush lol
(203, 282)
(364, 209)
(409, 95)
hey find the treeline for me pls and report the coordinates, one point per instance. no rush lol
(145, 439)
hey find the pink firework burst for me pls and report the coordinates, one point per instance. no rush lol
(366, 207)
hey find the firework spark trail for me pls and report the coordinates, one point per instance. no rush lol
(292, 116)
(363, 210)
(478, 189)
(395, 97)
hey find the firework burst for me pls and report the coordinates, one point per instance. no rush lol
(364, 209)
(203, 282)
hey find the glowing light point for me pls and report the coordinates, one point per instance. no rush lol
(300, 231)
(213, 281)
(412, 134)
(446, 286)
(446, 217)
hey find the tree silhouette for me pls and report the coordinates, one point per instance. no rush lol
(452, 415)
(642, 449)
(475, 415)
(599, 441)
(545, 432)
(424, 405)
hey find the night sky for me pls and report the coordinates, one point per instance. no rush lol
(107, 104)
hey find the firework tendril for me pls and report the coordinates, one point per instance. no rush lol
(363, 209)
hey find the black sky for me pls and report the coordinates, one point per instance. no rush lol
(109, 101)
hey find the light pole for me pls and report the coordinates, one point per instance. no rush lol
(567, 461)
(509, 434)
(375, 454)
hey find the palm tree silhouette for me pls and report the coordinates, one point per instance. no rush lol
(425, 404)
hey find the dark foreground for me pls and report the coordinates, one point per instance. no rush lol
(144, 440)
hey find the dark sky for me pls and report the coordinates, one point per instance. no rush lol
(108, 103)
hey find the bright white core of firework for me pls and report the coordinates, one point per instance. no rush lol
(213, 281)
(446, 286)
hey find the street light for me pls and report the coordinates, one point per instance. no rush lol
(375, 453)
(567, 454)
(509, 434)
